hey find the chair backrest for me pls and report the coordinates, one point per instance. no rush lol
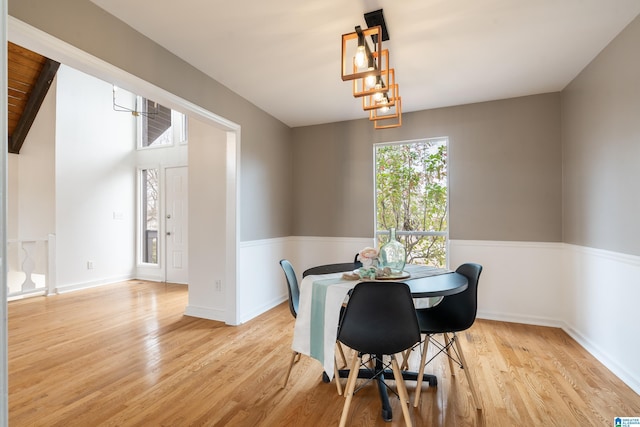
(331, 268)
(292, 286)
(357, 261)
(458, 312)
(379, 319)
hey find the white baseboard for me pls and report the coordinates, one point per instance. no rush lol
(86, 285)
(618, 370)
(516, 318)
(248, 315)
(205, 313)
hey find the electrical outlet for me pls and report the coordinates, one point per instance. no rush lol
(218, 285)
(90, 265)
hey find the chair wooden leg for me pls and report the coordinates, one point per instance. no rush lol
(344, 359)
(293, 360)
(351, 385)
(402, 391)
(465, 367)
(405, 359)
(336, 376)
(449, 358)
(423, 360)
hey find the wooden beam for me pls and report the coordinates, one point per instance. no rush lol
(33, 105)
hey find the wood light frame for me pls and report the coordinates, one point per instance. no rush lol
(386, 75)
(350, 70)
(391, 120)
(369, 102)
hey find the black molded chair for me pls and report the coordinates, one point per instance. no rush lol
(292, 286)
(294, 299)
(453, 314)
(333, 268)
(330, 268)
(379, 320)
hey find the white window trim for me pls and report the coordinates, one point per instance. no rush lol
(377, 232)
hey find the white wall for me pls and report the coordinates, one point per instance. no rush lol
(13, 169)
(207, 222)
(36, 174)
(95, 183)
(31, 177)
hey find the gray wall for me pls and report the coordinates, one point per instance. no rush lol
(504, 170)
(265, 155)
(601, 147)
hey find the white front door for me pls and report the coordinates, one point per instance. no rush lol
(176, 222)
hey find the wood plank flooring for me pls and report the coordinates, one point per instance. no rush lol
(125, 355)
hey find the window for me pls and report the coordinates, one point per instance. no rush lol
(160, 125)
(412, 197)
(150, 186)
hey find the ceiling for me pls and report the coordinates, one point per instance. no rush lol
(284, 55)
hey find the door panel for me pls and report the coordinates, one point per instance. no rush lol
(176, 258)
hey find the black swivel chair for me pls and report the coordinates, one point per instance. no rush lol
(453, 314)
(379, 319)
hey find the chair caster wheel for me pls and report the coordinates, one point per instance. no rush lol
(325, 378)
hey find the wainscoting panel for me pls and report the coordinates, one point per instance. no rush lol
(261, 284)
(521, 281)
(603, 296)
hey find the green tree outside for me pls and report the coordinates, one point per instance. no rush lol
(411, 196)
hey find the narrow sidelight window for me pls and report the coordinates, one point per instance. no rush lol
(149, 203)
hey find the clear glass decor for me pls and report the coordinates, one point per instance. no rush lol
(393, 254)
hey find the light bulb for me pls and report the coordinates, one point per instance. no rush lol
(378, 95)
(384, 101)
(361, 56)
(370, 80)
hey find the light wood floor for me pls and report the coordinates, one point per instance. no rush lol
(125, 354)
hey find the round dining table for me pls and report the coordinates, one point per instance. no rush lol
(440, 284)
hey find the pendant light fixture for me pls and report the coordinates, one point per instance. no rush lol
(369, 71)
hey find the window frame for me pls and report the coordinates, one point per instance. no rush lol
(378, 233)
(178, 126)
(140, 226)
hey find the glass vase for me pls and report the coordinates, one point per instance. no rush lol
(393, 254)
